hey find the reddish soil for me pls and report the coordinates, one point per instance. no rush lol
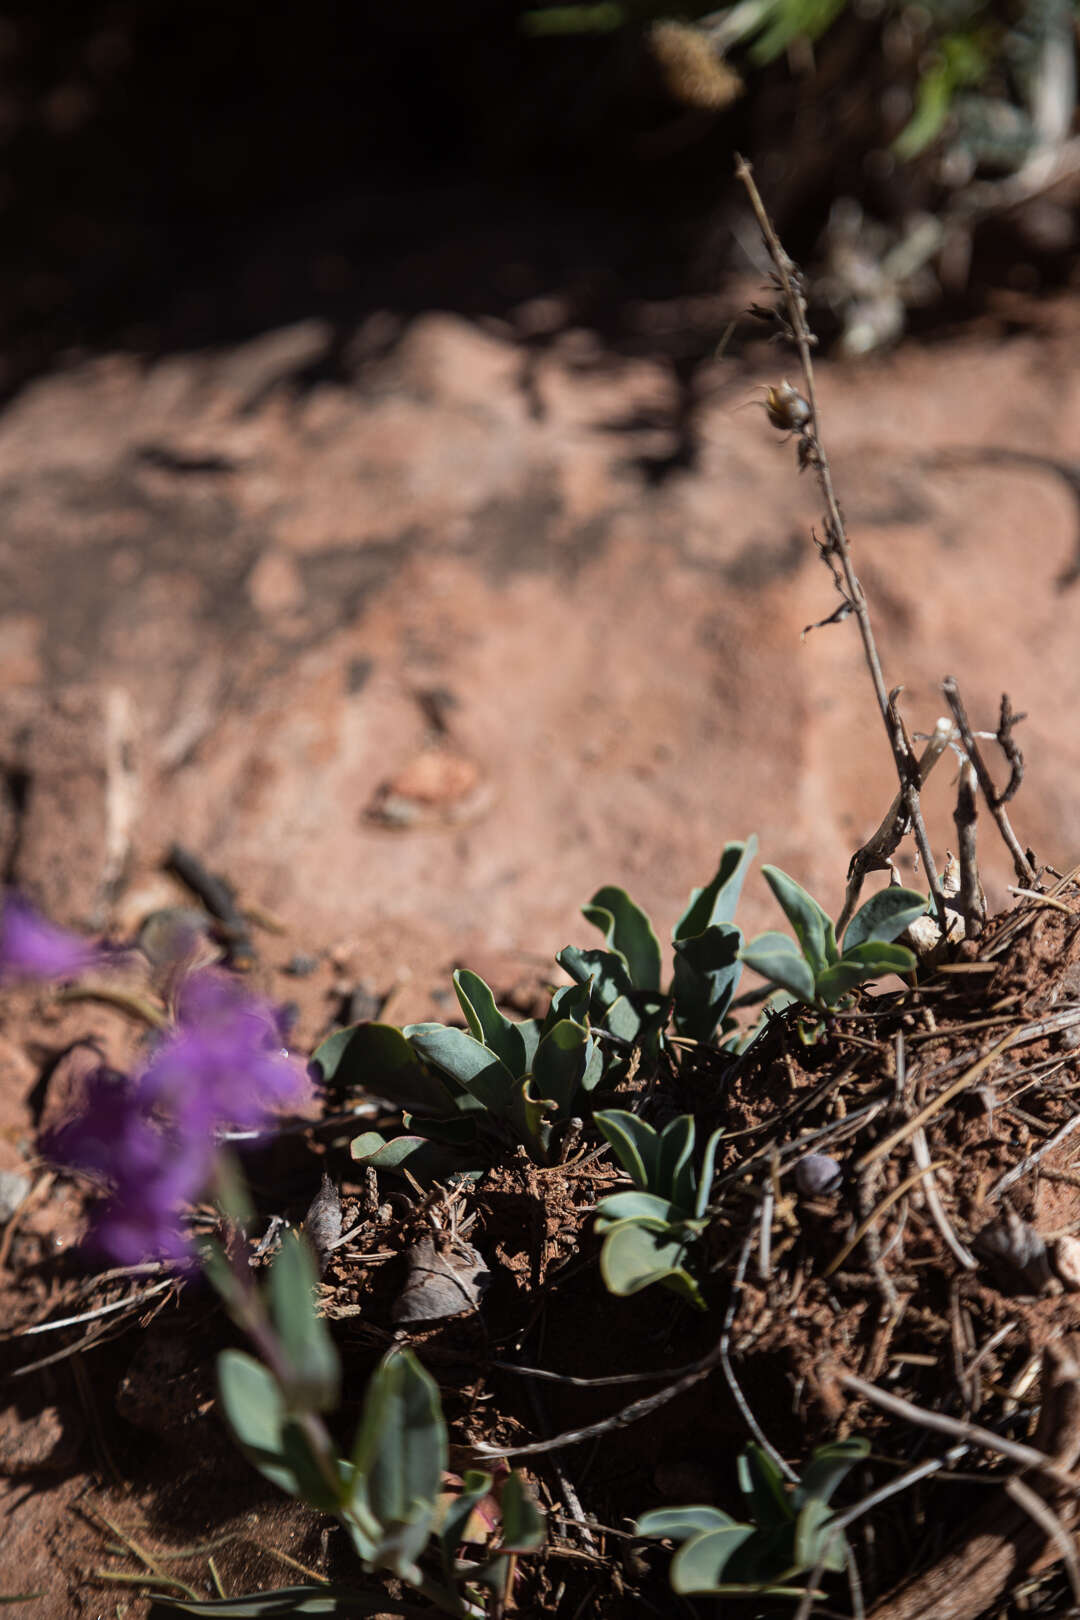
(420, 656)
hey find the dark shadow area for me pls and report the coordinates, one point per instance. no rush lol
(177, 176)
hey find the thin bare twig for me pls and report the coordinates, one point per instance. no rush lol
(875, 854)
(971, 902)
(812, 453)
(1025, 872)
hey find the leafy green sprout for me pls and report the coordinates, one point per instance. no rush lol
(650, 1233)
(789, 1531)
(813, 968)
(469, 1094)
(389, 1492)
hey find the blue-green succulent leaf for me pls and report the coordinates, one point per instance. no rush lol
(777, 958)
(716, 902)
(884, 916)
(860, 963)
(828, 1466)
(812, 924)
(707, 974)
(678, 1523)
(628, 931)
(256, 1412)
(524, 1527)
(315, 1371)
(634, 1143)
(675, 1162)
(378, 1060)
(699, 1564)
(488, 1024)
(466, 1060)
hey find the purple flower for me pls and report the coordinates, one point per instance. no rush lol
(154, 1139)
(31, 948)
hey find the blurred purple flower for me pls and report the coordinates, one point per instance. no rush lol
(32, 948)
(154, 1139)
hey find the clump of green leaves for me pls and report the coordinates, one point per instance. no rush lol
(790, 1529)
(389, 1493)
(650, 1233)
(812, 967)
(468, 1094)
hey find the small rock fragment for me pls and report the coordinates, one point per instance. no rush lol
(14, 1186)
(817, 1175)
(1065, 1259)
(322, 1223)
(445, 1277)
(1015, 1251)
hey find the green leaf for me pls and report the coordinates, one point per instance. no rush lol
(778, 959)
(708, 1161)
(884, 916)
(400, 1448)
(488, 1024)
(628, 931)
(315, 1381)
(560, 1065)
(474, 1487)
(523, 1524)
(427, 1161)
(762, 1483)
(960, 59)
(699, 1564)
(377, 1059)
(466, 1060)
(707, 974)
(635, 1145)
(680, 1522)
(674, 1162)
(610, 983)
(828, 1466)
(648, 1208)
(788, 22)
(716, 903)
(255, 1411)
(814, 1537)
(863, 962)
(604, 17)
(813, 926)
(568, 1001)
(314, 1467)
(288, 1601)
(633, 1257)
(526, 1116)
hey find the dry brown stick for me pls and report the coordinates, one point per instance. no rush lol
(1025, 872)
(1005, 1541)
(874, 855)
(812, 453)
(971, 902)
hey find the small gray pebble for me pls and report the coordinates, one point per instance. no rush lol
(14, 1187)
(817, 1174)
(301, 966)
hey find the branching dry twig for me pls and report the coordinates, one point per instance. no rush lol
(1025, 872)
(836, 548)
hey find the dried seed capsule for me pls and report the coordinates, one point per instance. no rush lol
(786, 408)
(817, 1174)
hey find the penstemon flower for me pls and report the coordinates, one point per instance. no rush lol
(153, 1138)
(32, 948)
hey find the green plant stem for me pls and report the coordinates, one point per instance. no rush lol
(906, 766)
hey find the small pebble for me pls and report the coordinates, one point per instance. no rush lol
(817, 1174)
(1065, 1257)
(301, 966)
(14, 1187)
